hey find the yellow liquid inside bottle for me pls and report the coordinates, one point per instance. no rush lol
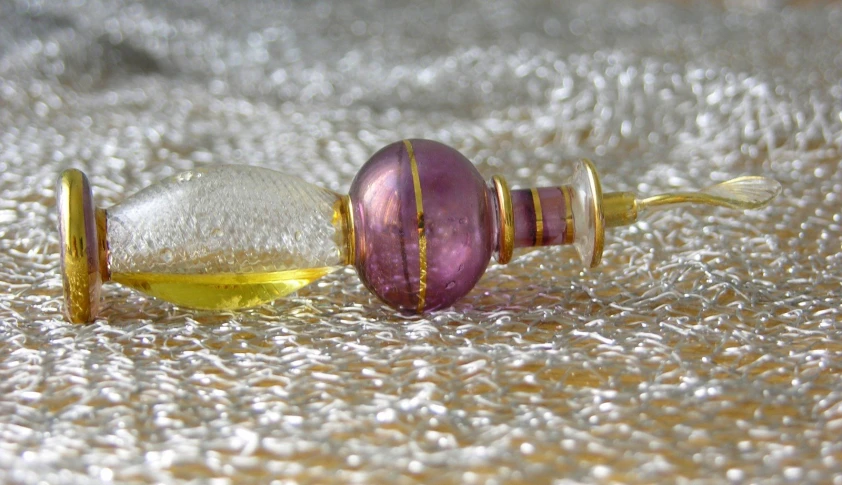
(221, 291)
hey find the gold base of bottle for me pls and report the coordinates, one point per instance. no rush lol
(80, 231)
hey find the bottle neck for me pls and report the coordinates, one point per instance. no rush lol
(543, 216)
(552, 216)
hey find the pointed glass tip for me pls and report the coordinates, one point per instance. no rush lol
(745, 192)
(741, 193)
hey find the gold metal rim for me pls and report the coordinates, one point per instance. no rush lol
(102, 239)
(80, 252)
(599, 215)
(506, 231)
(348, 232)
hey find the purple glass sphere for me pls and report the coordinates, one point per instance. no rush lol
(424, 225)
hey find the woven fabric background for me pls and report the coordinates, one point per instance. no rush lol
(706, 348)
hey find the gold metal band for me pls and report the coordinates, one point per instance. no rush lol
(349, 236)
(570, 230)
(102, 239)
(422, 232)
(506, 231)
(620, 208)
(539, 218)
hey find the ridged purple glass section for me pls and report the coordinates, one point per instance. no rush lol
(523, 210)
(457, 224)
(554, 211)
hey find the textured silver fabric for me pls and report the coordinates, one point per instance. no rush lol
(706, 348)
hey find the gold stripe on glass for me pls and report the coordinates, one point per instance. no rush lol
(422, 233)
(539, 218)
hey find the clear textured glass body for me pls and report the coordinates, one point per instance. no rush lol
(225, 237)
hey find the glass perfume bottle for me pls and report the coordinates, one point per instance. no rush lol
(419, 224)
